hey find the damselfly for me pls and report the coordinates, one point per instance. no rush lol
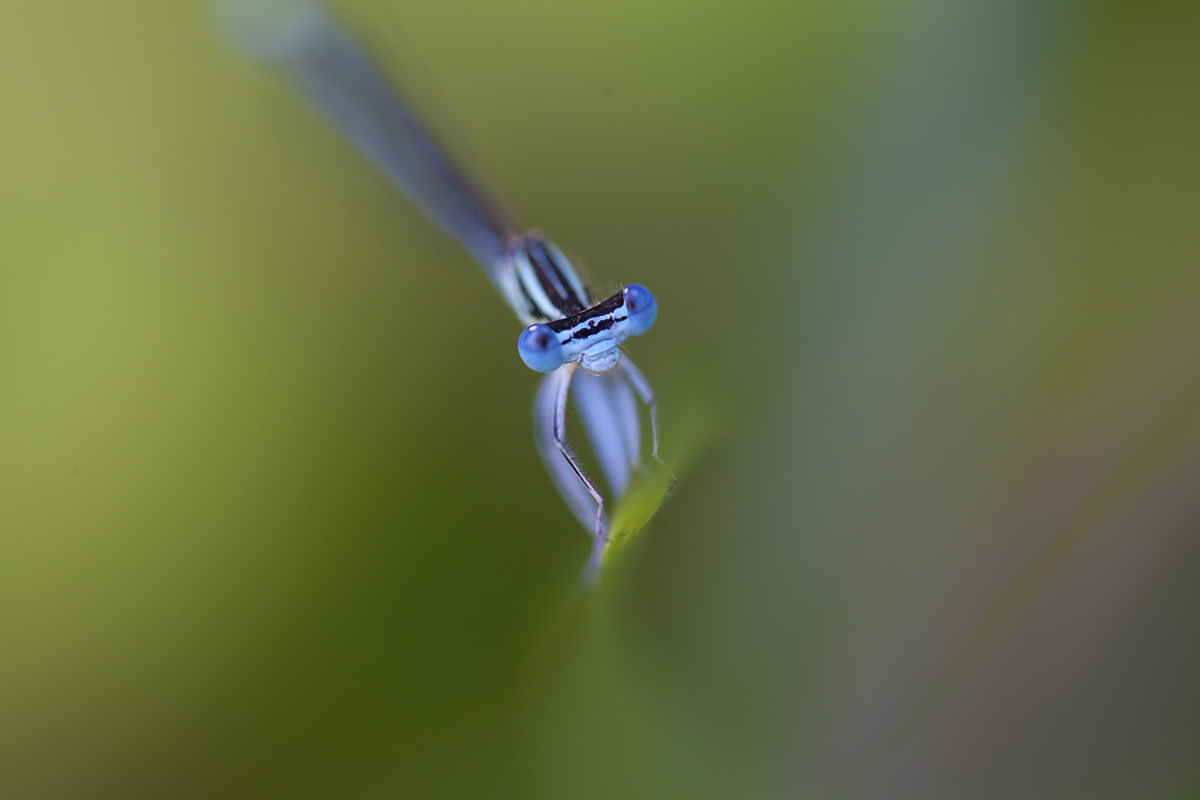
(569, 335)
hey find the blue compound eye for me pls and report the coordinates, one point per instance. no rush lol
(642, 308)
(539, 348)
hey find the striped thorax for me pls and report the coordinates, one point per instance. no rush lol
(540, 284)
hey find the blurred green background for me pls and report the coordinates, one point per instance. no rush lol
(271, 519)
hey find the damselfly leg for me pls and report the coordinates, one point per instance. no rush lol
(642, 387)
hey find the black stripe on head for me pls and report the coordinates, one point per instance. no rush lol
(592, 330)
(603, 308)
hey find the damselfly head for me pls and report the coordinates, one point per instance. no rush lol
(591, 337)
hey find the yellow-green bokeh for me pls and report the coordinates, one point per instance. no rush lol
(271, 520)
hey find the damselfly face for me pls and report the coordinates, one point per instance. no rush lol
(566, 327)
